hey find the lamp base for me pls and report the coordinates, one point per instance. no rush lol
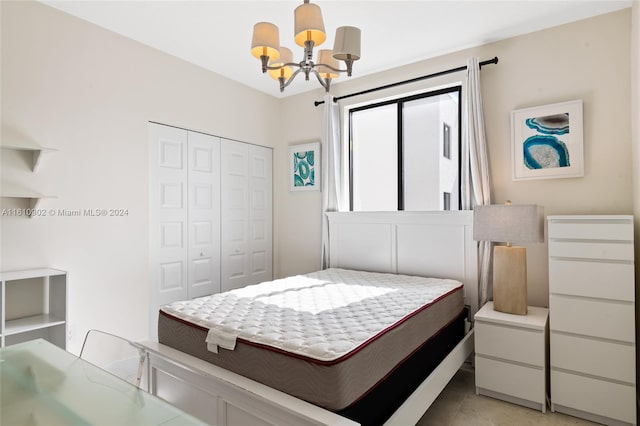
(510, 279)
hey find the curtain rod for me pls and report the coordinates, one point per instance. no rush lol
(494, 60)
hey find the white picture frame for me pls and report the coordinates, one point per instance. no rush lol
(305, 171)
(547, 141)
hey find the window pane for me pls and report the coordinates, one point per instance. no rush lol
(430, 163)
(374, 134)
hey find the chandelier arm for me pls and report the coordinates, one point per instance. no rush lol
(288, 82)
(330, 67)
(288, 64)
(324, 82)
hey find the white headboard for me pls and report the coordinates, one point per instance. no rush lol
(433, 244)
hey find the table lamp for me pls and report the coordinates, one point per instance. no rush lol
(509, 223)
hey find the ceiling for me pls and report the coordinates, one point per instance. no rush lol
(216, 35)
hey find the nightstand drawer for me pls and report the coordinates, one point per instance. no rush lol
(511, 379)
(599, 397)
(591, 250)
(591, 317)
(511, 343)
(591, 230)
(591, 279)
(595, 357)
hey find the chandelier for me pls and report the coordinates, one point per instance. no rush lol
(308, 33)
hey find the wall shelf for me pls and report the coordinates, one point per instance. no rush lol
(24, 198)
(15, 142)
(32, 198)
(36, 154)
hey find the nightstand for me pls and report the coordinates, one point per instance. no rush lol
(511, 356)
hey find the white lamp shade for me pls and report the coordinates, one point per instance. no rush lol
(508, 223)
(325, 57)
(286, 56)
(265, 41)
(309, 24)
(347, 42)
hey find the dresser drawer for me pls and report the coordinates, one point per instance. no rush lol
(591, 250)
(511, 379)
(592, 317)
(595, 396)
(595, 357)
(510, 343)
(592, 229)
(592, 279)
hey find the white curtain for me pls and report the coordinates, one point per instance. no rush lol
(476, 188)
(331, 171)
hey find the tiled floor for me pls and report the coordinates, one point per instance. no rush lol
(459, 405)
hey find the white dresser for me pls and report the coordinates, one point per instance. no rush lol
(511, 356)
(592, 317)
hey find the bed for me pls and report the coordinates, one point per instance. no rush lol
(229, 370)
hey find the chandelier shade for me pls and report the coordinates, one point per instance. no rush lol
(309, 32)
(309, 25)
(265, 41)
(347, 43)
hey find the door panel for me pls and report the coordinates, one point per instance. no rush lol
(247, 254)
(204, 214)
(235, 215)
(261, 213)
(184, 216)
(168, 217)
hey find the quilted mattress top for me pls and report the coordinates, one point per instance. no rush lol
(324, 316)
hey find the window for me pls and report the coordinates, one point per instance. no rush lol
(401, 155)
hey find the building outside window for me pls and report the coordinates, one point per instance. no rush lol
(405, 153)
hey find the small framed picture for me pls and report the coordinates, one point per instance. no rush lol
(304, 167)
(546, 141)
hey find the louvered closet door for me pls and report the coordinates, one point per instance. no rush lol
(246, 204)
(203, 215)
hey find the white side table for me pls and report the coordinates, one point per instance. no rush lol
(511, 356)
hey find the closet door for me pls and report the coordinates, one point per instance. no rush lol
(260, 213)
(203, 215)
(184, 216)
(246, 203)
(168, 216)
(168, 257)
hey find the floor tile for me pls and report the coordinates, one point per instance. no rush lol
(459, 405)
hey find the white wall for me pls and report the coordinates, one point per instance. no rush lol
(586, 60)
(89, 93)
(635, 141)
(297, 215)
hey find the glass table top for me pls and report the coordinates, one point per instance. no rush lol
(41, 383)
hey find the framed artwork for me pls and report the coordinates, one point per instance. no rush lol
(546, 141)
(304, 167)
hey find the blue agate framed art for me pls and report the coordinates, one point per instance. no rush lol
(304, 167)
(547, 141)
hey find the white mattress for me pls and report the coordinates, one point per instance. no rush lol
(323, 315)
